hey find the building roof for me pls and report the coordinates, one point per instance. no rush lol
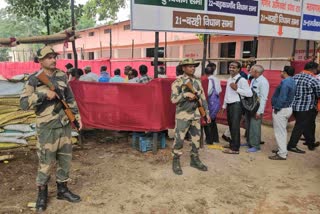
(103, 26)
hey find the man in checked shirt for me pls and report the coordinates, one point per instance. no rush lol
(305, 107)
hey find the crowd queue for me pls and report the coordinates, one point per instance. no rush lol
(297, 94)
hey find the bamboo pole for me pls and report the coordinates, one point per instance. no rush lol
(199, 60)
(223, 59)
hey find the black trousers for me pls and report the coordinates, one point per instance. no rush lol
(306, 125)
(234, 113)
(211, 131)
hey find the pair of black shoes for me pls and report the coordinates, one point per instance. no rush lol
(312, 146)
(291, 149)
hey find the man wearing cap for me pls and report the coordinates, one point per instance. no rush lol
(187, 115)
(89, 76)
(53, 127)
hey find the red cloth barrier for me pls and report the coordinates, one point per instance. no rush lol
(136, 107)
(299, 65)
(125, 106)
(10, 69)
(139, 107)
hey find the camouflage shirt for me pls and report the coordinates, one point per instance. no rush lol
(186, 109)
(49, 113)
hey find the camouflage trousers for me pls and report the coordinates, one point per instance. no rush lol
(181, 129)
(54, 146)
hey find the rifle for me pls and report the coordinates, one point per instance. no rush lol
(45, 80)
(200, 107)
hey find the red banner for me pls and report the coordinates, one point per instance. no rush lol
(10, 69)
(139, 107)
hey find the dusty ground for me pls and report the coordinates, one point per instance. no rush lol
(114, 178)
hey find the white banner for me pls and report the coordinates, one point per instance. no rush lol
(298, 19)
(310, 24)
(238, 17)
(280, 18)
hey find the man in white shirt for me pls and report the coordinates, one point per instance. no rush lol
(133, 76)
(261, 86)
(232, 104)
(89, 76)
(211, 130)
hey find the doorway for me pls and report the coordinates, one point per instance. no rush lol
(227, 50)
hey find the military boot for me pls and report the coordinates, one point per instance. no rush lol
(42, 200)
(176, 165)
(196, 163)
(65, 194)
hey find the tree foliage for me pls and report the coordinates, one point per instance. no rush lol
(60, 14)
(57, 11)
(4, 54)
(104, 9)
(12, 26)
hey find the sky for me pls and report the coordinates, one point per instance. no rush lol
(122, 15)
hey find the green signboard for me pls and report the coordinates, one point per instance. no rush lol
(189, 4)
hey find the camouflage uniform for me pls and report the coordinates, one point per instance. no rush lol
(53, 127)
(187, 114)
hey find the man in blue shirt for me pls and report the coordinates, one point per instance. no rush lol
(281, 103)
(104, 75)
(117, 77)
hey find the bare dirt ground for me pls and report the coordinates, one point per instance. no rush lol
(113, 178)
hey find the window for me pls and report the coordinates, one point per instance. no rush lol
(91, 55)
(228, 50)
(126, 27)
(69, 56)
(150, 52)
(248, 49)
(91, 34)
(107, 31)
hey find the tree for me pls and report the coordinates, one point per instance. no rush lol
(85, 22)
(49, 11)
(104, 9)
(12, 26)
(4, 54)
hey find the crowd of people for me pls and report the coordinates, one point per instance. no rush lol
(297, 94)
(131, 74)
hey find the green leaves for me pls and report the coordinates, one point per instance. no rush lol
(60, 14)
(104, 9)
(58, 11)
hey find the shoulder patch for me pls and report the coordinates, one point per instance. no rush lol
(33, 80)
(60, 73)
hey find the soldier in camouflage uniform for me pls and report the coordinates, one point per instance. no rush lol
(53, 127)
(187, 115)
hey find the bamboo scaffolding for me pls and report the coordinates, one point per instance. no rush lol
(211, 59)
(229, 59)
(66, 35)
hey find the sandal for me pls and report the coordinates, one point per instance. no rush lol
(226, 146)
(229, 151)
